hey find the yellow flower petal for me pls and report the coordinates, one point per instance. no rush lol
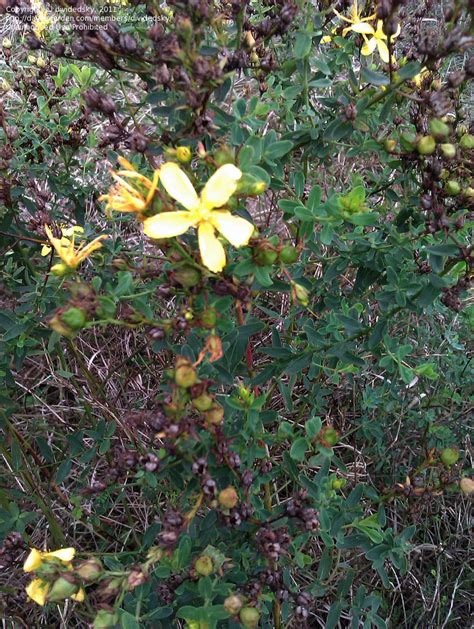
(383, 50)
(33, 561)
(79, 596)
(369, 46)
(221, 186)
(45, 250)
(363, 27)
(212, 252)
(85, 251)
(38, 590)
(235, 229)
(168, 224)
(64, 554)
(178, 186)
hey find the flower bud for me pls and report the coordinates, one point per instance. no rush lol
(338, 483)
(300, 293)
(233, 604)
(105, 619)
(249, 617)
(328, 436)
(90, 570)
(258, 187)
(289, 254)
(215, 415)
(228, 498)
(186, 275)
(74, 318)
(203, 402)
(64, 587)
(185, 375)
(31, 59)
(204, 566)
(183, 154)
(467, 486)
(5, 85)
(448, 150)
(249, 40)
(461, 130)
(6, 43)
(41, 63)
(452, 187)
(469, 193)
(466, 143)
(449, 456)
(439, 129)
(408, 141)
(426, 145)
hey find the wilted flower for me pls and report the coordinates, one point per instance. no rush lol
(201, 213)
(123, 196)
(70, 256)
(66, 232)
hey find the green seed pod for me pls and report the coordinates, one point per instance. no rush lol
(338, 483)
(105, 619)
(448, 150)
(289, 254)
(186, 275)
(208, 318)
(408, 141)
(426, 145)
(215, 415)
(203, 403)
(249, 617)
(390, 145)
(204, 565)
(466, 143)
(185, 375)
(90, 570)
(74, 317)
(452, 187)
(233, 604)
(329, 436)
(469, 193)
(449, 456)
(265, 255)
(62, 588)
(439, 129)
(228, 498)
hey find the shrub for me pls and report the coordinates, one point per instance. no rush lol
(234, 309)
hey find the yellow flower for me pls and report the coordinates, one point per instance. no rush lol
(66, 233)
(123, 197)
(42, 18)
(70, 256)
(36, 558)
(378, 40)
(79, 596)
(201, 213)
(358, 23)
(38, 590)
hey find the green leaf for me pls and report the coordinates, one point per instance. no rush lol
(298, 449)
(278, 149)
(303, 45)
